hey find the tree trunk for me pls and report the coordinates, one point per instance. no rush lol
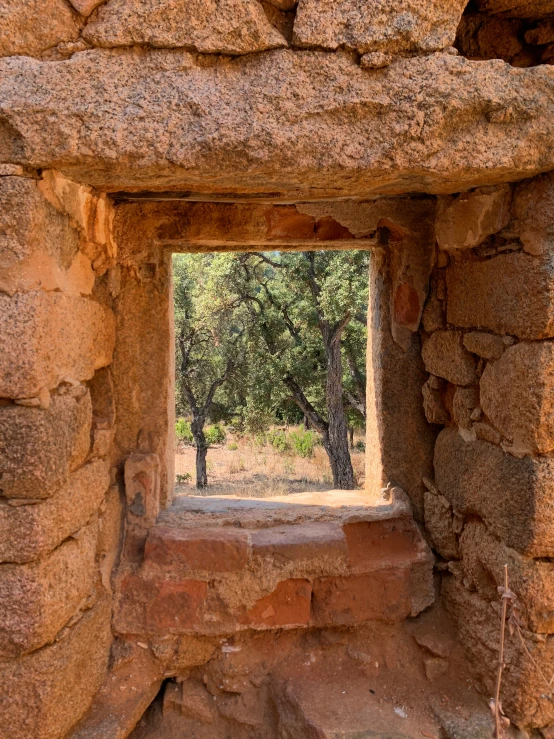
(351, 434)
(306, 423)
(337, 450)
(197, 428)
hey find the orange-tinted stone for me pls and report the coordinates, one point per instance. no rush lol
(287, 223)
(159, 607)
(374, 545)
(300, 542)
(287, 605)
(185, 550)
(407, 307)
(378, 596)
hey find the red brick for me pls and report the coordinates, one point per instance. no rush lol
(160, 606)
(186, 550)
(287, 605)
(301, 542)
(376, 596)
(379, 544)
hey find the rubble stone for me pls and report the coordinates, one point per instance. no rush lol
(517, 395)
(284, 544)
(488, 346)
(384, 26)
(224, 27)
(513, 496)
(465, 221)
(47, 337)
(39, 448)
(433, 405)
(35, 699)
(533, 201)
(438, 522)
(32, 26)
(445, 355)
(38, 599)
(464, 402)
(518, 8)
(508, 294)
(186, 550)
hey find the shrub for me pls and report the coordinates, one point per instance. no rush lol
(303, 442)
(232, 447)
(359, 446)
(182, 429)
(215, 434)
(181, 478)
(278, 440)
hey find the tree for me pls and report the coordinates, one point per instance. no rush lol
(301, 305)
(208, 345)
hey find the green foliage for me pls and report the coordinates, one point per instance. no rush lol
(182, 430)
(215, 434)
(232, 447)
(278, 440)
(303, 442)
(183, 477)
(359, 446)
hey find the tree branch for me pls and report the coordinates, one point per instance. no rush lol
(319, 423)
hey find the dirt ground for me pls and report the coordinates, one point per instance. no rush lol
(252, 471)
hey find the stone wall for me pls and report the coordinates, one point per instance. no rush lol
(487, 345)
(59, 505)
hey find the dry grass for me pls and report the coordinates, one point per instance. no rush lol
(251, 471)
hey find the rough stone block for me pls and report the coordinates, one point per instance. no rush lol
(296, 104)
(513, 496)
(509, 294)
(110, 534)
(47, 337)
(32, 26)
(288, 605)
(483, 559)
(532, 213)
(142, 488)
(439, 524)
(445, 355)
(464, 402)
(464, 221)
(44, 694)
(38, 599)
(85, 7)
(384, 544)
(488, 346)
(282, 545)
(434, 406)
(39, 448)
(159, 606)
(30, 531)
(379, 596)
(228, 27)
(39, 249)
(382, 26)
(517, 395)
(524, 697)
(185, 550)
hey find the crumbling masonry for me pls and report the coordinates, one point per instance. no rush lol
(131, 129)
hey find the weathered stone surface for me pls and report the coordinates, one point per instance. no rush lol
(35, 700)
(38, 448)
(439, 524)
(518, 8)
(224, 27)
(142, 488)
(513, 496)
(384, 25)
(542, 33)
(85, 7)
(517, 394)
(29, 531)
(38, 599)
(483, 558)
(433, 405)
(531, 222)
(524, 697)
(184, 550)
(288, 605)
(484, 345)
(159, 606)
(445, 355)
(38, 247)
(47, 337)
(32, 26)
(466, 220)
(384, 544)
(510, 293)
(464, 402)
(449, 137)
(379, 596)
(313, 541)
